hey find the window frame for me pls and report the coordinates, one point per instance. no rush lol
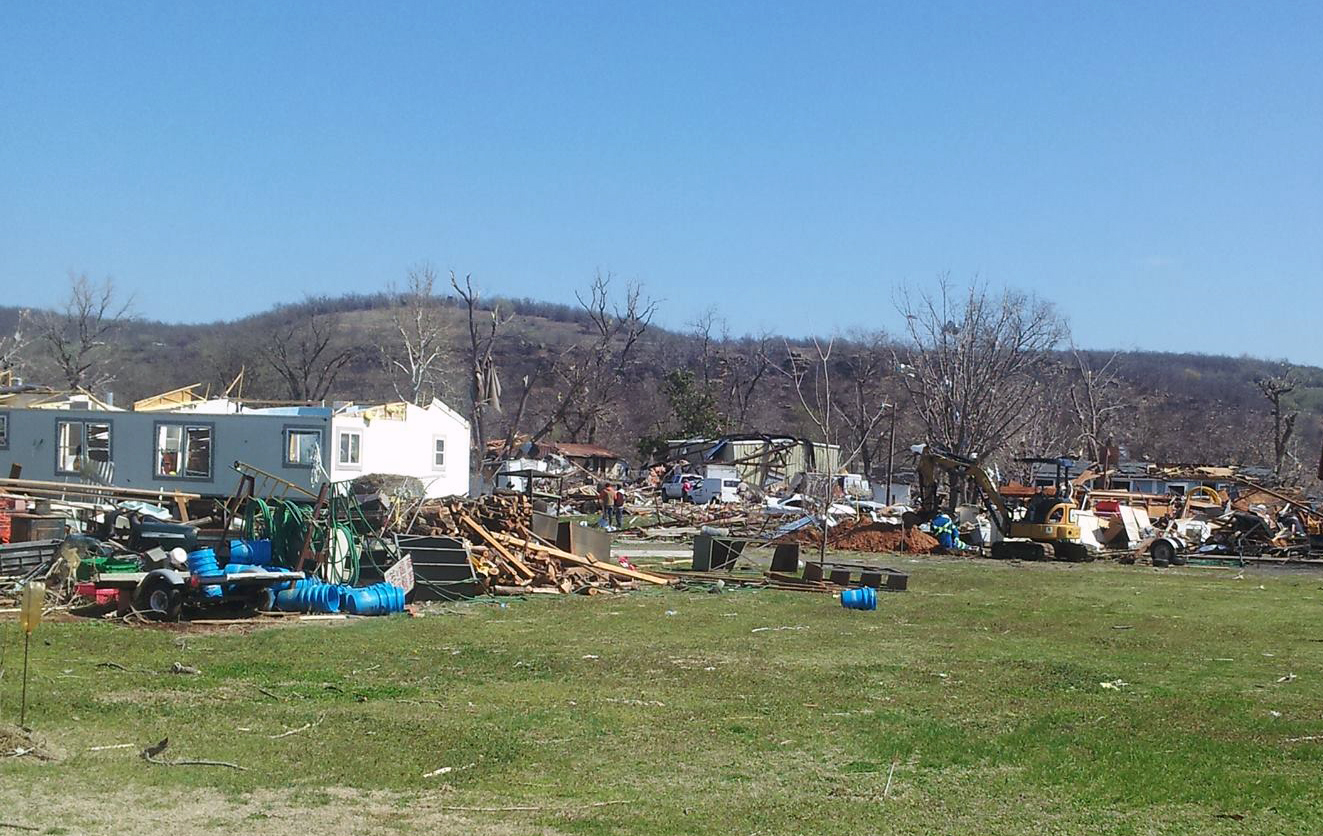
(288, 430)
(340, 436)
(184, 427)
(82, 424)
(4, 429)
(438, 468)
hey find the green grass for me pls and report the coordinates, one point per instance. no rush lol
(982, 685)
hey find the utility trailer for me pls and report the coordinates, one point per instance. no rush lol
(163, 594)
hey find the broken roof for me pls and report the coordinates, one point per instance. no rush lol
(576, 450)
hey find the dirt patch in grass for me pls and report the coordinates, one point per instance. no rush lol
(334, 811)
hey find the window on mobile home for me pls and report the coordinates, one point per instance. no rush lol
(183, 451)
(351, 447)
(78, 443)
(302, 447)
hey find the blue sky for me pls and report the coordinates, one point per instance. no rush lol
(1154, 168)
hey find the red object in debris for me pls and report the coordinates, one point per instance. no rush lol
(102, 595)
(624, 561)
(6, 525)
(1107, 507)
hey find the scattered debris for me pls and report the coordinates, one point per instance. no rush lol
(152, 754)
(446, 770)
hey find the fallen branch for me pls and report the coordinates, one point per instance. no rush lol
(301, 728)
(152, 755)
(13, 826)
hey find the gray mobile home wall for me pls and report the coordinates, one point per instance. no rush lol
(258, 440)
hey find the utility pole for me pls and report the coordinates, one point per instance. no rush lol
(891, 451)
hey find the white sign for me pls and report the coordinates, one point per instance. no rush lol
(401, 574)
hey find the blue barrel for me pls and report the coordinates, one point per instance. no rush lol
(859, 599)
(360, 600)
(250, 551)
(201, 565)
(378, 599)
(309, 595)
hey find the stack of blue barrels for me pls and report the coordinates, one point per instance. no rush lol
(202, 565)
(253, 552)
(309, 594)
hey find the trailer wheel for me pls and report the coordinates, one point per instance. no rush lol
(160, 599)
(1162, 553)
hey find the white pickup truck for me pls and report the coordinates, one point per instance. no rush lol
(673, 486)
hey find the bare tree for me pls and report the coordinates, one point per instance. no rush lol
(1095, 402)
(812, 380)
(12, 347)
(588, 378)
(484, 381)
(1274, 389)
(79, 333)
(305, 352)
(744, 367)
(863, 406)
(418, 352)
(528, 383)
(704, 331)
(1054, 431)
(975, 362)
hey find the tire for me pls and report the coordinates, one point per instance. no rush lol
(1162, 553)
(159, 599)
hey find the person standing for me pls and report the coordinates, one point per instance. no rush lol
(618, 505)
(605, 500)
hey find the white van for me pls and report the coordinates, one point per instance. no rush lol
(716, 490)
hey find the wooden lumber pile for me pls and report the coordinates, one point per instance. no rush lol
(444, 517)
(518, 564)
(510, 559)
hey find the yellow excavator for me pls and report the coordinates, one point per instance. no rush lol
(1045, 532)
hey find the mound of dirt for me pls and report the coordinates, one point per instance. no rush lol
(868, 536)
(18, 743)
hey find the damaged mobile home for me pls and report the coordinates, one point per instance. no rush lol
(183, 441)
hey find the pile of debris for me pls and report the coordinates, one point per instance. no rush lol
(517, 565)
(509, 559)
(864, 535)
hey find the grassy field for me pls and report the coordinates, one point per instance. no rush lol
(973, 704)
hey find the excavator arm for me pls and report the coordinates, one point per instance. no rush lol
(931, 461)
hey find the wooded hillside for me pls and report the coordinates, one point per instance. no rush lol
(590, 372)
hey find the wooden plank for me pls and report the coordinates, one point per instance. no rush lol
(487, 536)
(601, 566)
(78, 487)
